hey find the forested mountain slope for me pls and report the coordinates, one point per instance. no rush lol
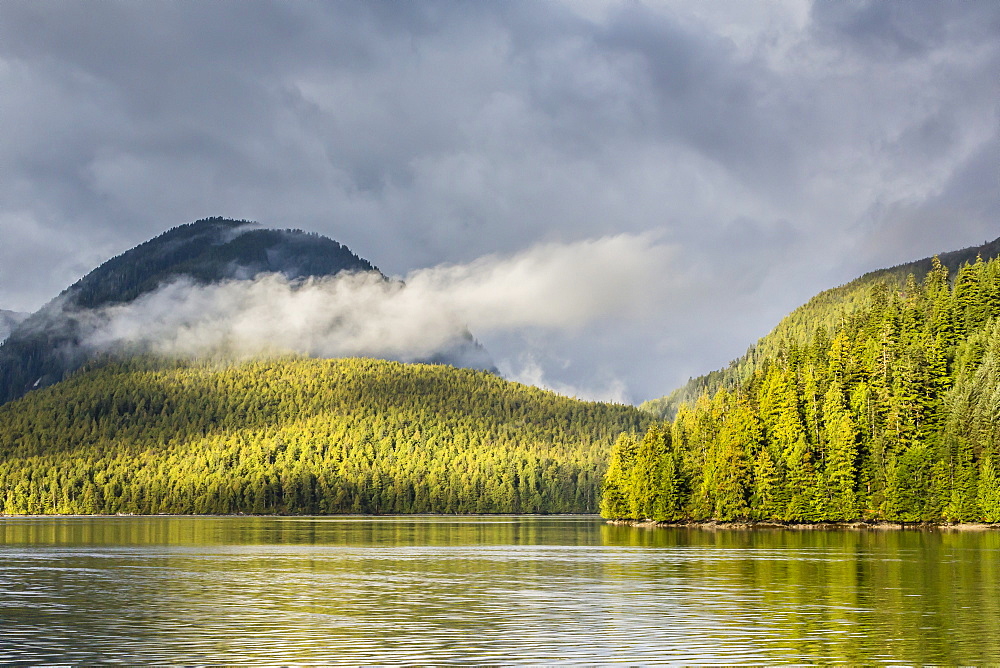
(45, 348)
(302, 436)
(818, 317)
(42, 349)
(210, 250)
(880, 400)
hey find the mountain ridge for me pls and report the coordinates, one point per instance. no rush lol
(211, 250)
(46, 346)
(851, 296)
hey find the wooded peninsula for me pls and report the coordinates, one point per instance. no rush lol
(877, 401)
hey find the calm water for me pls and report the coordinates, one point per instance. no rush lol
(488, 590)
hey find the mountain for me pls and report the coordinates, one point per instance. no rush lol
(878, 400)
(44, 348)
(823, 313)
(302, 436)
(9, 320)
(211, 250)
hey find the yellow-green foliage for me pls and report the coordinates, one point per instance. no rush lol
(302, 436)
(812, 322)
(881, 406)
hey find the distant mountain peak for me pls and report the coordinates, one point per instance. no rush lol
(46, 346)
(211, 250)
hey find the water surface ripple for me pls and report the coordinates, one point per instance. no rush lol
(488, 590)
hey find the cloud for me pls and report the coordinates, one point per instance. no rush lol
(529, 370)
(781, 147)
(551, 286)
(562, 286)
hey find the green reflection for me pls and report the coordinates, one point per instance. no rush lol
(853, 596)
(431, 530)
(488, 590)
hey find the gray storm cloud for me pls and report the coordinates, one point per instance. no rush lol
(549, 286)
(782, 147)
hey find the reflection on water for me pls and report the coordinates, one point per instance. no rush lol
(493, 589)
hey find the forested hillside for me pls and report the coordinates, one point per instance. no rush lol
(826, 311)
(209, 250)
(302, 436)
(878, 401)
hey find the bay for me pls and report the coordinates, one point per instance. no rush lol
(502, 590)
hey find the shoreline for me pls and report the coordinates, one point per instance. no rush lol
(713, 525)
(285, 516)
(880, 525)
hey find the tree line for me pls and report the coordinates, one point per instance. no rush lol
(301, 436)
(884, 408)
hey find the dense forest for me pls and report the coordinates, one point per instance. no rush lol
(302, 436)
(880, 401)
(827, 310)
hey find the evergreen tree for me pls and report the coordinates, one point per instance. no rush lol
(645, 476)
(841, 436)
(878, 400)
(989, 491)
(616, 494)
(767, 501)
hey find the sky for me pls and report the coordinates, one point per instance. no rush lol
(740, 156)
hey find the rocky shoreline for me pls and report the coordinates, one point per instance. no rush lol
(807, 526)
